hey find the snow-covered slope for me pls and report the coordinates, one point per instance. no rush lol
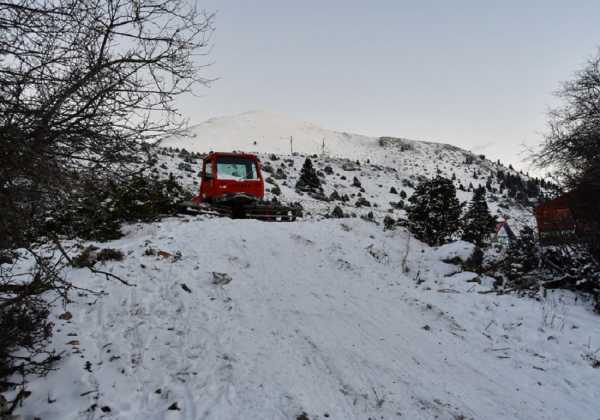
(388, 161)
(376, 182)
(337, 319)
(269, 132)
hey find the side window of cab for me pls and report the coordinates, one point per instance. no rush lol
(208, 169)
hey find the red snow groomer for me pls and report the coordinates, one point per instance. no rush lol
(232, 185)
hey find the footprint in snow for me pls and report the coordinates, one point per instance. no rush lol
(221, 278)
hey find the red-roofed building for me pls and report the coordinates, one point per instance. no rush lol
(568, 216)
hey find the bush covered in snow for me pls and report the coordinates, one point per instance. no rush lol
(528, 266)
(24, 326)
(99, 208)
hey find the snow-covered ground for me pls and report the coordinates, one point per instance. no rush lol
(333, 318)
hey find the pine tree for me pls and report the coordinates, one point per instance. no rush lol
(478, 223)
(522, 256)
(434, 213)
(308, 181)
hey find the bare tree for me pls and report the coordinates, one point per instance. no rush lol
(85, 87)
(572, 150)
(572, 145)
(85, 84)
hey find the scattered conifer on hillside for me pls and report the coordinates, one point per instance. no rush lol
(478, 223)
(308, 181)
(434, 213)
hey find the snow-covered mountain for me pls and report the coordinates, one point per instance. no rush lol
(269, 132)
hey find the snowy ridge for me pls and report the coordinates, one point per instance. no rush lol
(269, 132)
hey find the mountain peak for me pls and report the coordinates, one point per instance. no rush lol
(265, 131)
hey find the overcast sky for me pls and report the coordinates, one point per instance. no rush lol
(476, 74)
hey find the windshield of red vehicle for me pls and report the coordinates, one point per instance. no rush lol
(236, 168)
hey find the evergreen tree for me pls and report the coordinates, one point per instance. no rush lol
(475, 261)
(478, 223)
(434, 213)
(308, 181)
(522, 256)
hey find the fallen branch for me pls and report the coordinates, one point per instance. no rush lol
(498, 291)
(448, 291)
(92, 269)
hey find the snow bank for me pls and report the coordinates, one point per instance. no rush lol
(314, 317)
(458, 249)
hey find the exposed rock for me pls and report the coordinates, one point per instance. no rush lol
(318, 195)
(362, 202)
(65, 316)
(221, 278)
(350, 166)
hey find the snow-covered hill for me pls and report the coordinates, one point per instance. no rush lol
(269, 132)
(384, 162)
(385, 189)
(337, 319)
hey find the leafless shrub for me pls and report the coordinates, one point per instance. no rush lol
(85, 86)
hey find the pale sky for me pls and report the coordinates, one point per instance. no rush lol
(476, 74)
